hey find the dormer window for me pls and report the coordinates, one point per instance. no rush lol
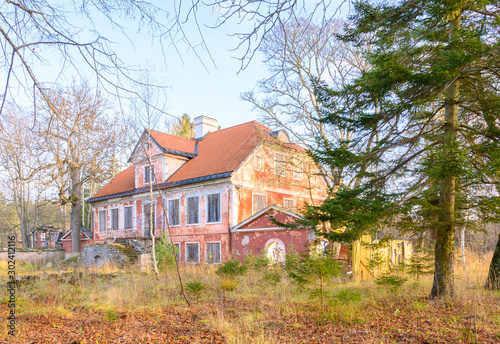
(149, 174)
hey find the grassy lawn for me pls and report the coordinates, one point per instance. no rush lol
(112, 306)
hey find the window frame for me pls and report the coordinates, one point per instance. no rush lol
(283, 162)
(258, 166)
(298, 175)
(105, 221)
(294, 203)
(177, 246)
(186, 252)
(207, 213)
(148, 175)
(206, 251)
(131, 207)
(253, 202)
(111, 210)
(153, 209)
(187, 211)
(178, 212)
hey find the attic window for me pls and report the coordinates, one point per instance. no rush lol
(149, 174)
(280, 135)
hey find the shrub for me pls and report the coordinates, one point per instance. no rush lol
(228, 284)
(272, 277)
(231, 268)
(257, 262)
(195, 287)
(164, 251)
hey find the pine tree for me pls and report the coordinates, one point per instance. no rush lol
(432, 100)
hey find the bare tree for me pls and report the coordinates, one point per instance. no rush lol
(298, 55)
(82, 137)
(23, 169)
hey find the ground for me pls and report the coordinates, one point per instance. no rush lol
(130, 307)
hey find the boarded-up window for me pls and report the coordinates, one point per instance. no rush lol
(279, 164)
(259, 202)
(193, 210)
(102, 221)
(258, 163)
(114, 219)
(149, 174)
(289, 204)
(298, 168)
(192, 253)
(213, 208)
(146, 221)
(213, 253)
(127, 217)
(173, 212)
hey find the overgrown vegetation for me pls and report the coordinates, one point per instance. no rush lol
(259, 306)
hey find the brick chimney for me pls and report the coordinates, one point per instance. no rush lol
(203, 125)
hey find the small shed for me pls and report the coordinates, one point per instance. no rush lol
(46, 237)
(85, 239)
(258, 235)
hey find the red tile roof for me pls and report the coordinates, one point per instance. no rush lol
(172, 142)
(123, 181)
(218, 152)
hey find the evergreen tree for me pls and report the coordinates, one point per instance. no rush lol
(428, 111)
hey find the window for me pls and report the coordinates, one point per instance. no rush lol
(213, 208)
(149, 174)
(127, 217)
(178, 251)
(146, 221)
(42, 236)
(114, 219)
(258, 163)
(298, 167)
(193, 210)
(314, 176)
(192, 253)
(174, 212)
(213, 253)
(102, 221)
(289, 204)
(279, 164)
(259, 202)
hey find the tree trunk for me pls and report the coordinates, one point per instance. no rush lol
(493, 280)
(445, 240)
(76, 215)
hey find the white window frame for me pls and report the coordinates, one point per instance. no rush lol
(147, 174)
(253, 201)
(111, 218)
(258, 166)
(187, 211)
(290, 199)
(186, 252)
(178, 214)
(220, 251)
(220, 208)
(314, 176)
(105, 221)
(131, 216)
(177, 246)
(282, 161)
(153, 208)
(298, 174)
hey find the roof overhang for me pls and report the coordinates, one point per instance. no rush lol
(239, 226)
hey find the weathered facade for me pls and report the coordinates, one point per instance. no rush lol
(205, 187)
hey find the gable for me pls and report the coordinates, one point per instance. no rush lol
(261, 220)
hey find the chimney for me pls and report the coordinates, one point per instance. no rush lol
(203, 125)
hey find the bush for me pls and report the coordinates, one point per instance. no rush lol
(164, 251)
(231, 268)
(228, 284)
(195, 287)
(272, 277)
(257, 262)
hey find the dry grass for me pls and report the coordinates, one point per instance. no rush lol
(249, 309)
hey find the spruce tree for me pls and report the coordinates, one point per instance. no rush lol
(428, 112)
